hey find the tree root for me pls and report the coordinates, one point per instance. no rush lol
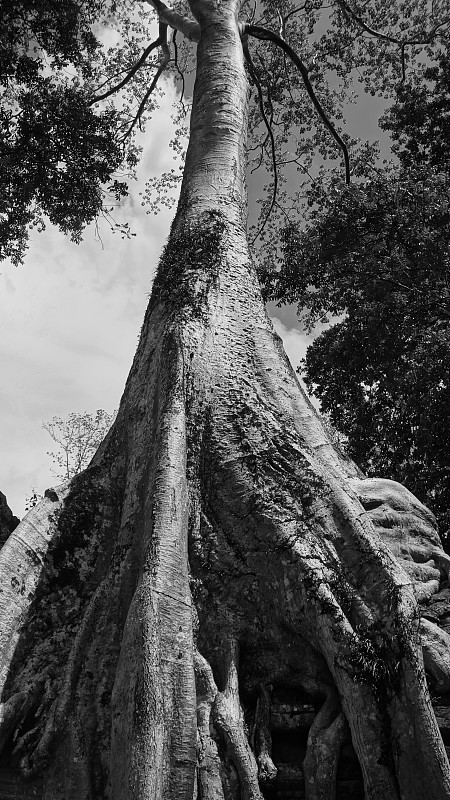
(267, 771)
(229, 720)
(209, 770)
(324, 743)
(12, 713)
(61, 711)
(436, 655)
(22, 559)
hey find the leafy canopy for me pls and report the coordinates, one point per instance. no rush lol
(378, 256)
(79, 79)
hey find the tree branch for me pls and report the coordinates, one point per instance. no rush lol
(266, 35)
(180, 72)
(167, 17)
(415, 290)
(291, 14)
(254, 77)
(186, 26)
(164, 61)
(158, 42)
(356, 18)
(426, 39)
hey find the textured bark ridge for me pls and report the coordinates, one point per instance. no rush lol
(219, 555)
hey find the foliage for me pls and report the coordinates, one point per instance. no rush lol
(388, 236)
(78, 78)
(345, 54)
(419, 119)
(56, 154)
(78, 436)
(379, 254)
(63, 158)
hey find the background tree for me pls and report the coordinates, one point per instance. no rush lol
(78, 436)
(379, 254)
(219, 550)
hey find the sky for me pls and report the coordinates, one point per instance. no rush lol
(70, 317)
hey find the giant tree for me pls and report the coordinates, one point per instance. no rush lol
(218, 545)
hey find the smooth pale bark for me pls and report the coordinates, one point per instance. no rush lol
(216, 518)
(21, 561)
(208, 760)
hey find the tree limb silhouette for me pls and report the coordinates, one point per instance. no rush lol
(164, 61)
(267, 35)
(270, 135)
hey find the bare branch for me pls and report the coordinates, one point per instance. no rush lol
(177, 66)
(253, 11)
(427, 38)
(267, 35)
(164, 61)
(158, 42)
(261, 155)
(186, 26)
(291, 14)
(282, 29)
(110, 77)
(354, 16)
(269, 133)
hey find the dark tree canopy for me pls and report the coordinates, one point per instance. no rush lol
(419, 119)
(56, 155)
(379, 254)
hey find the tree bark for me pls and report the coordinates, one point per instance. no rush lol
(215, 527)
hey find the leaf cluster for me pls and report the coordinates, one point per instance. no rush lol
(419, 119)
(348, 49)
(384, 242)
(56, 154)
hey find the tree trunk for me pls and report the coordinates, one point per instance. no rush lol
(216, 545)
